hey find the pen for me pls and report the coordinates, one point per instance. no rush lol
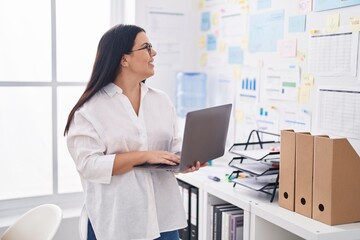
(214, 178)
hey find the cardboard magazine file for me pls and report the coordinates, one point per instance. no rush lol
(304, 173)
(336, 189)
(287, 169)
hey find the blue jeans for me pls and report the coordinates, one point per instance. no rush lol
(90, 232)
(172, 235)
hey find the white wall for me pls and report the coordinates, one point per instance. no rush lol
(163, 34)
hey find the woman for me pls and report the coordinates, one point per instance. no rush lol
(119, 123)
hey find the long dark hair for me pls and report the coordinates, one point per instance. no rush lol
(116, 42)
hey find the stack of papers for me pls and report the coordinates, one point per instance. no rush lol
(256, 168)
(252, 183)
(258, 154)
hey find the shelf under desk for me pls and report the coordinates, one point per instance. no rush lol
(302, 226)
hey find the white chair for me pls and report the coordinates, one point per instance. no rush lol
(39, 223)
(83, 223)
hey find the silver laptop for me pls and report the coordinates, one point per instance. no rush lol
(204, 138)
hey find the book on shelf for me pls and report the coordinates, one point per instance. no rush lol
(211, 217)
(217, 219)
(226, 222)
(218, 225)
(237, 227)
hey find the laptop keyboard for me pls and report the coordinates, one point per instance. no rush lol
(164, 166)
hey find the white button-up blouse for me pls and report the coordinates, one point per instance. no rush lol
(138, 204)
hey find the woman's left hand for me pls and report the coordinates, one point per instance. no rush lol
(195, 168)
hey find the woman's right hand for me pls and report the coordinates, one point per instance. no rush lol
(164, 157)
(124, 162)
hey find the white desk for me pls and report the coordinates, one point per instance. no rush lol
(262, 219)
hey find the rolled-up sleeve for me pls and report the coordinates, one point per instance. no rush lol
(87, 150)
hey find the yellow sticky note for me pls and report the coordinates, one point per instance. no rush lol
(222, 46)
(215, 19)
(304, 95)
(308, 80)
(301, 56)
(244, 42)
(355, 24)
(245, 8)
(332, 22)
(236, 73)
(202, 42)
(203, 59)
(239, 116)
(201, 4)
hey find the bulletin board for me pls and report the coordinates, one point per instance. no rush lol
(281, 63)
(288, 61)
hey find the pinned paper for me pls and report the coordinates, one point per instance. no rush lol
(222, 46)
(201, 4)
(280, 83)
(267, 119)
(244, 42)
(236, 73)
(202, 42)
(260, 63)
(244, 4)
(203, 59)
(263, 4)
(211, 42)
(323, 5)
(355, 24)
(235, 55)
(301, 56)
(215, 19)
(308, 80)
(239, 116)
(297, 23)
(205, 21)
(304, 6)
(304, 95)
(287, 47)
(269, 24)
(333, 22)
(248, 87)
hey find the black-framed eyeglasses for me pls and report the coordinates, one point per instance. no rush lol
(147, 46)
